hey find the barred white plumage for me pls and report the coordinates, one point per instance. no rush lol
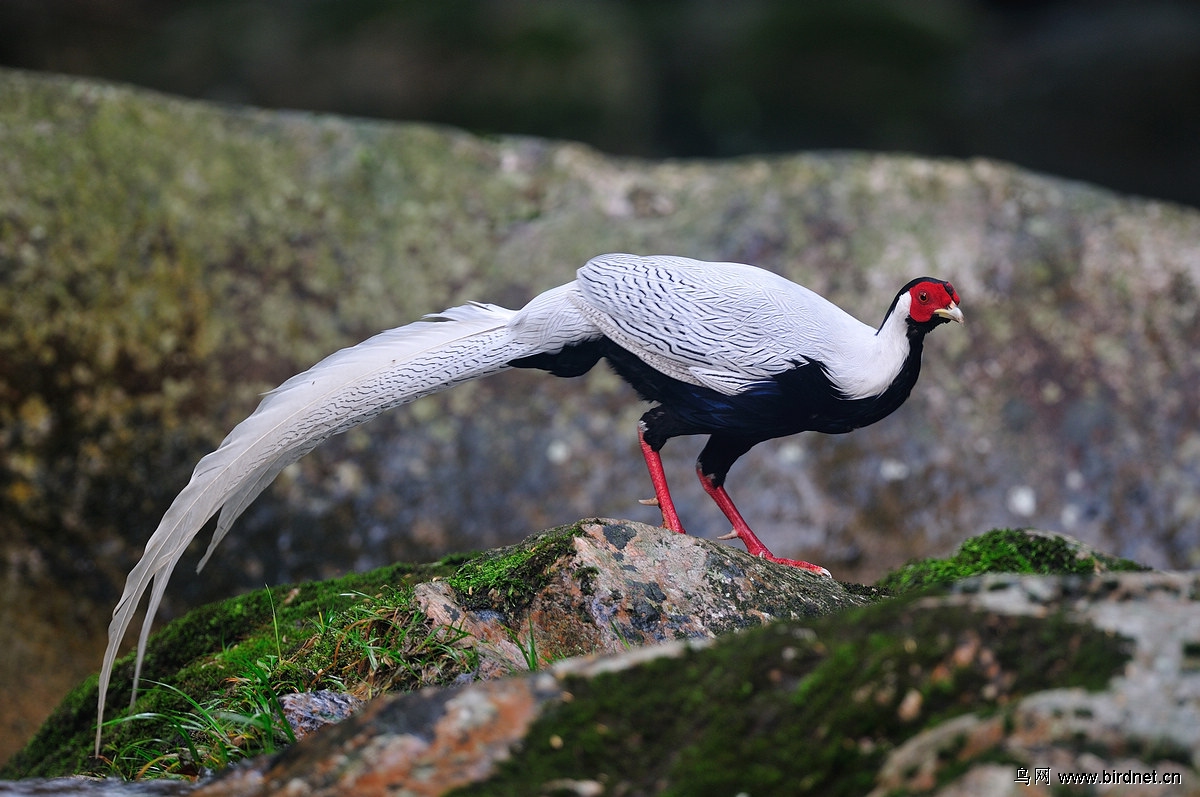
(723, 349)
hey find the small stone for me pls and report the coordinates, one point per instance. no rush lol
(910, 706)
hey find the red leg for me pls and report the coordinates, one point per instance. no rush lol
(741, 529)
(662, 496)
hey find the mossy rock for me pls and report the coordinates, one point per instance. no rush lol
(199, 652)
(512, 575)
(1022, 551)
(799, 708)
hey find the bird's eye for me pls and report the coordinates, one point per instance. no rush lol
(923, 296)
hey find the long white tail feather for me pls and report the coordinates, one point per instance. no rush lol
(345, 389)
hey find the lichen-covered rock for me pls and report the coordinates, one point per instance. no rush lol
(1138, 735)
(1037, 677)
(621, 585)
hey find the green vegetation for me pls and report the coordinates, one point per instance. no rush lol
(229, 661)
(377, 644)
(1005, 551)
(528, 648)
(209, 736)
(380, 644)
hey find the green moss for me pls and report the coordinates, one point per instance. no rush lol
(1005, 551)
(198, 654)
(784, 710)
(383, 643)
(508, 578)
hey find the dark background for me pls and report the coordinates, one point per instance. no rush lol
(1101, 90)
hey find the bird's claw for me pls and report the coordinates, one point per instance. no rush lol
(648, 501)
(809, 566)
(732, 535)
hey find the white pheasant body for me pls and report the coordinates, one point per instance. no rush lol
(725, 349)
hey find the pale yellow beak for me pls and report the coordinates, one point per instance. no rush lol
(951, 313)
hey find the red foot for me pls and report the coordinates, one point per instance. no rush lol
(741, 529)
(809, 566)
(755, 547)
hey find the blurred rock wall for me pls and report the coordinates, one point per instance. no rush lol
(163, 262)
(1102, 90)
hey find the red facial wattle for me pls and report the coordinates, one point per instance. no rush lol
(933, 298)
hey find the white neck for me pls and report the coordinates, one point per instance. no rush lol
(868, 362)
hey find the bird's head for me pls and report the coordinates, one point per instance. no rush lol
(930, 302)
